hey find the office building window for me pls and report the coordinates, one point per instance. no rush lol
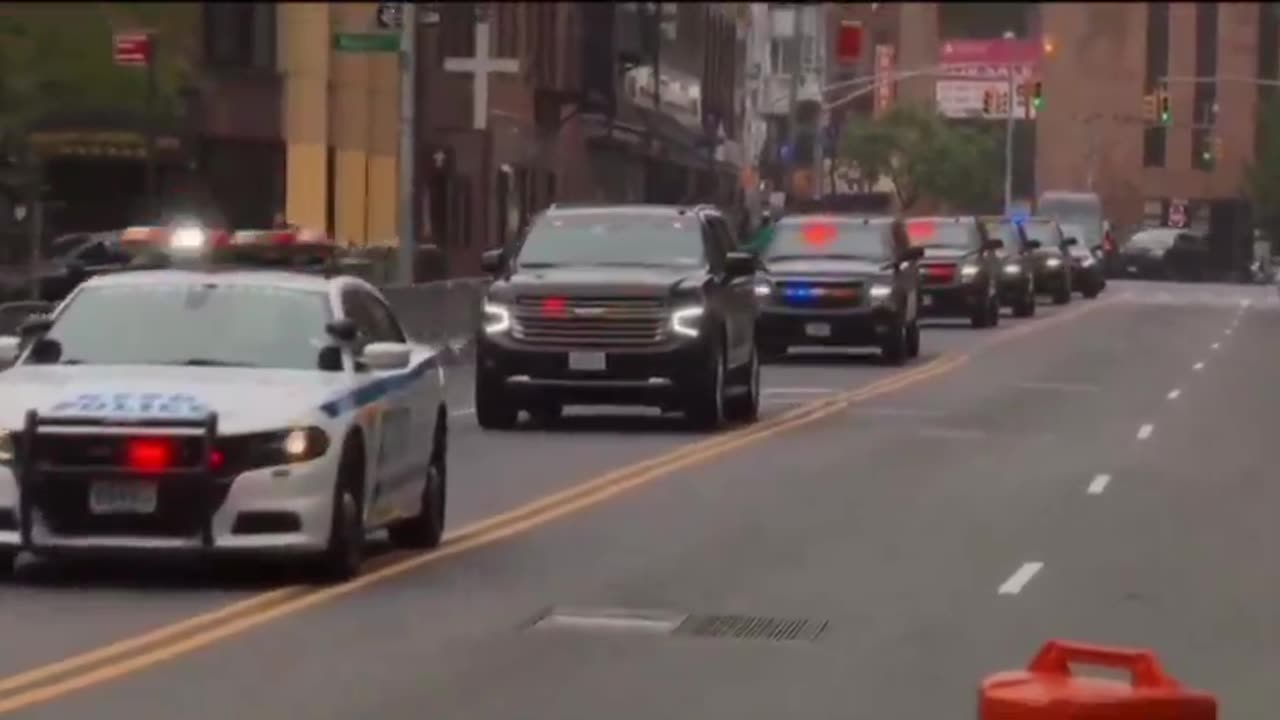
(240, 35)
(1204, 105)
(457, 30)
(1157, 66)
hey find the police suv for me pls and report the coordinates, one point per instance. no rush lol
(209, 408)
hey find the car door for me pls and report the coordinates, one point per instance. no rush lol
(739, 299)
(391, 478)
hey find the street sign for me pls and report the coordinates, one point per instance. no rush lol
(390, 16)
(132, 49)
(366, 42)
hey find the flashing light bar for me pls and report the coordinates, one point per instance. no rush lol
(803, 292)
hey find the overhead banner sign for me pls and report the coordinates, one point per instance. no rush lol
(987, 62)
(883, 74)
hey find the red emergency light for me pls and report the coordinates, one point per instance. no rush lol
(819, 234)
(148, 455)
(849, 42)
(555, 307)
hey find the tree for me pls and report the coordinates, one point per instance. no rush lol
(57, 57)
(1262, 178)
(924, 156)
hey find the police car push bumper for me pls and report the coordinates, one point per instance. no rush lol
(174, 483)
(789, 315)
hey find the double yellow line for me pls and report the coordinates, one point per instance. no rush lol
(131, 655)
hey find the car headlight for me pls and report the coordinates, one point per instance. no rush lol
(763, 288)
(497, 318)
(1053, 262)
(1086, 260)
(269, 449)
(687, 321)
(968, 271)
(6, 447)
(880, 291)
(1012, 269)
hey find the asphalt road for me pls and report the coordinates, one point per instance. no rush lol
(1096, 473)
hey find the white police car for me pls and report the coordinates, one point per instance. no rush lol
(220, 410)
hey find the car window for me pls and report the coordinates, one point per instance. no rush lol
(1047, 234)
(829, 237)
(357, 308)
(611, 237)
(720, 242)
(1004, 230)
(385, 323)
(928, 232)
(205, 323)
(1156, 240)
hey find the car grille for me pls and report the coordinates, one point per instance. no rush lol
(937, 274)
(67, 461)
(820, 294)
(590, 321)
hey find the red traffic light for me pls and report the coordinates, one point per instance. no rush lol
(849, 42)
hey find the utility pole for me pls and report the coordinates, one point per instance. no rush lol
(1008, 136)
(408, 146)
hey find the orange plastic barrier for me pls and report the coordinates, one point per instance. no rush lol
(1047, 690)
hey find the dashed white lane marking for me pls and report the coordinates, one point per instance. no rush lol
(464, 411)
(1246, 303)
(1099, 484)
(1173, 394)
(1198, 366)
(1144, 432)
(1019, 578)
(798, 391)
(1229, 331)
(1215, 346)
(1063, 387)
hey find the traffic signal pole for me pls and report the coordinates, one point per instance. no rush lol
(1008, 145)
(408, 136)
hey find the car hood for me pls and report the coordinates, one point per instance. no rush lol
(245, 399)
(824, 267)
(600, 279)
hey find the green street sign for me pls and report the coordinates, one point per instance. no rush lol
(366, 42)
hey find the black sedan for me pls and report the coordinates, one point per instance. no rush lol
(1163, 254)
(1017, 265)
(1086, 263)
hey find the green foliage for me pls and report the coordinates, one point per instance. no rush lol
(925, 156)
(1262, 177)
(56, 57)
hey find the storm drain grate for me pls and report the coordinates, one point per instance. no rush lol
(747, 627)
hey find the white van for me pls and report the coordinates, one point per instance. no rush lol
(1083, 209)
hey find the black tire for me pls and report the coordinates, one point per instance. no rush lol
(980, 316)
(425, 530)
(344, 555)
(1091, 291)
(494, 410)
(745, 407)
(706, 408)
(893, 350)
(993, 316)
(913, 339)
(1026, 306)
(1062, 295)
(8, 564)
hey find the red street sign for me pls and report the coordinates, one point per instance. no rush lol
(849, 42)
(132, 49)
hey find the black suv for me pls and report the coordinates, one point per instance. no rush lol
(1017, 265)
(1052, 259)
(960, 270)
(840, 280)
(620, 305)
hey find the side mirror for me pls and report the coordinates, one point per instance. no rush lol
(739, 264)
(491, 261)
(993, 244)
(344, 330)
(386, 356)
(35, 325)
(10, 348)
(1069, 242)
(1033, 244)
(330, 359)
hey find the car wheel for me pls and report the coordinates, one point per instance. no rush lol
(980, 316)
(494, 410)
(1026, 305)
(344, 554)
(8, 563)
(913, 339)
(745, 407)
(893, 350)
(425, 530)
(706, 410)
(993, 314)
(1090, 292)
(1062, 295)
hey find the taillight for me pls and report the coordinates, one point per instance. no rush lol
(217, 460)
(149, 455)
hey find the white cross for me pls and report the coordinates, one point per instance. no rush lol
(480, 67)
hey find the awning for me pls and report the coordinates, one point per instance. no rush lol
(103, 135)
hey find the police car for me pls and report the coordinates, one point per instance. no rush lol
(203, 408)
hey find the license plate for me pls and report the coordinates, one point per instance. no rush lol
(114, 498)
(586, 361)
(817, 330)
(1133, 268)
(926, 300)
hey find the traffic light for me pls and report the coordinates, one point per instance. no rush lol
(1003, 107)
(988, 102)
(1037, 95)
(1150, 107)
(1166, 114)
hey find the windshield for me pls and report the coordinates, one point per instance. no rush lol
(1005, 231)
(1041, 232)
(614, 238)
(942, 233)
(823, 238)
(1158, 240)
(1083, 211)
(193, 324)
